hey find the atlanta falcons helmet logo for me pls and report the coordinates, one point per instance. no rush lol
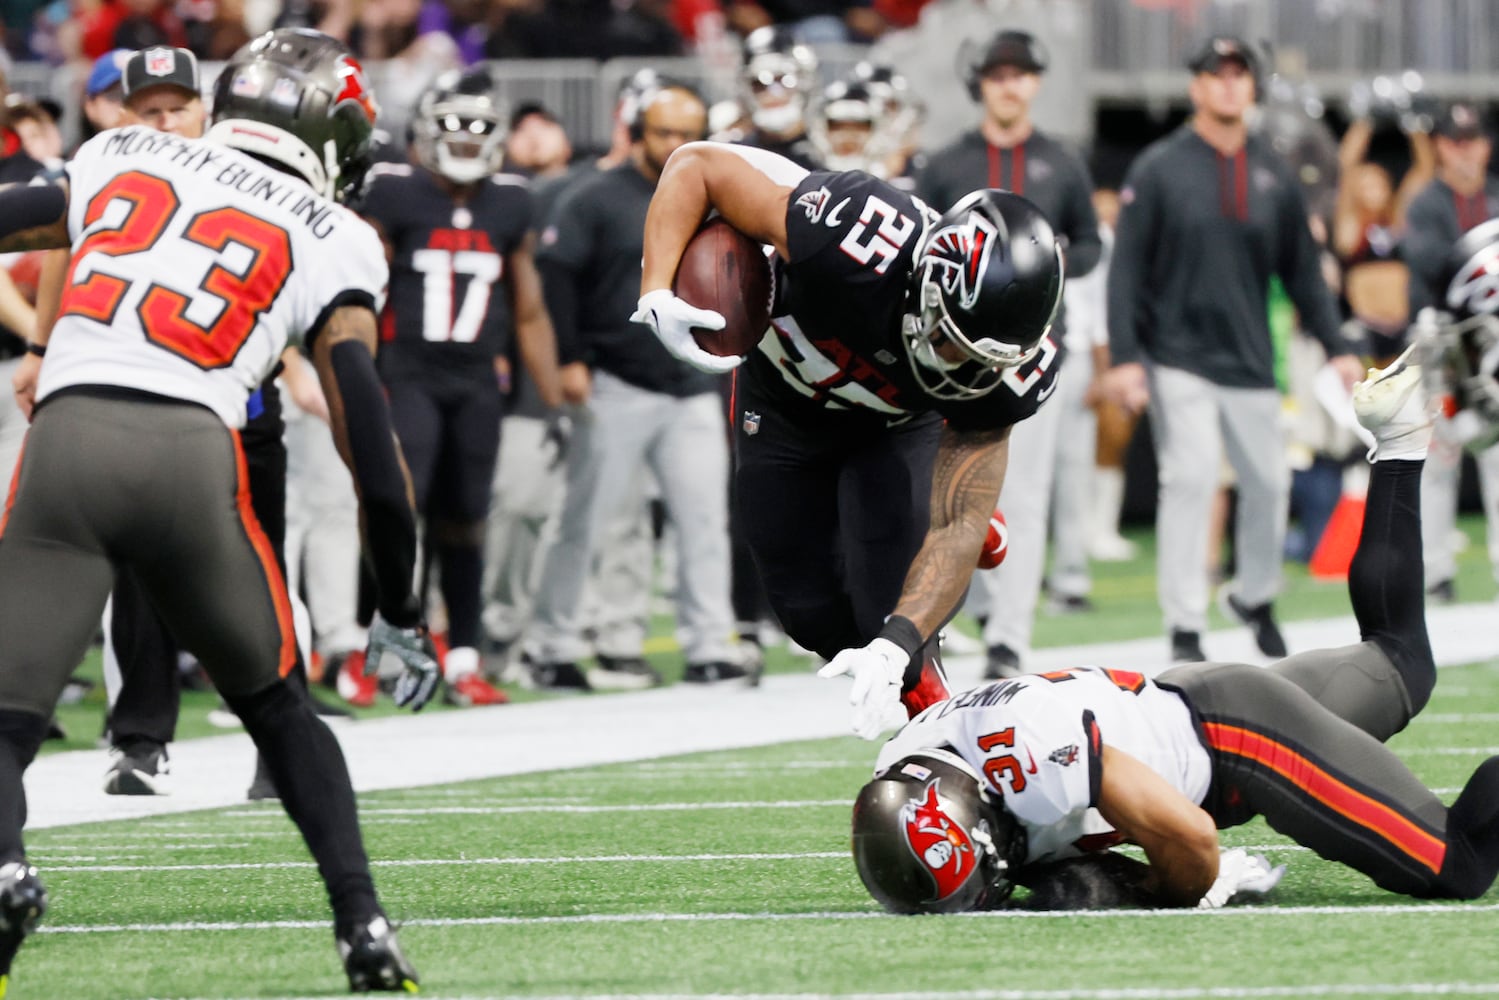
(961, 253)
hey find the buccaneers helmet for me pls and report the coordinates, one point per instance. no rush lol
(988, 282)
(928, 838)
(459, 127)
(299, 99)
(778, 79)
(1460, 336)
(848, 128)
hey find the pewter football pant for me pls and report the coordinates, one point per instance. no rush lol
(1195, 424)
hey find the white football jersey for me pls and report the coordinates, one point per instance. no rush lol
(194, 267)
(1037, 740)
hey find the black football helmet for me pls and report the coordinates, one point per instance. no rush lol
(988, 282)
(459, 128)
(848, 127)
(1459, 338)
(298, 98)
(904, 111)
(928, 838)
(778, 79)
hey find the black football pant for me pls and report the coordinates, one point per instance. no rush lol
(449, 431)
(834, 508)
(150, 696)
(1301, 743)
(110, 479)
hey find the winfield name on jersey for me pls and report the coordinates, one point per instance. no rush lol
(230, 170)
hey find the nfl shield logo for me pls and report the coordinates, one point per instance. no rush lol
(751, 422)
(160, 62)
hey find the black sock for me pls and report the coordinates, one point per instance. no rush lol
(1386, 582)
(462, 579)
(1472, 858)
(21, 733)
(311, 778)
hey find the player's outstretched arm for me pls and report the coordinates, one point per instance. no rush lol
(1178, 837)
(533, 326)
(749, 188)
(966, 479)
(33, 216)
(343, 352)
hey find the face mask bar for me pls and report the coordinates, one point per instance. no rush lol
(1461, 358)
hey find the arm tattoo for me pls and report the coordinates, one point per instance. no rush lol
(969, 471)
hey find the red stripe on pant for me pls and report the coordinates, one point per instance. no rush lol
(279, 597)
(15, 481)
(1401, 832)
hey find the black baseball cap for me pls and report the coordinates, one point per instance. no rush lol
(1219, 49)
(1010, 47)
(1460, 120)
(162, 66)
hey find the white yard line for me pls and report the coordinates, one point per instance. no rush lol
(1231, 912)
(440, 749)
(1130, 993)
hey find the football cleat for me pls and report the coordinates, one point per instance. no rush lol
(353, 686)
(1260, 619)
(23, 900)
(140, 768)
(1001, 661)
(373, 959)
(623, 673)
(470, 690)
(1391, 405)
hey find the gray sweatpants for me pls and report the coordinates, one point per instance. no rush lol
(1439, 483)
(1195, 424)
(684, 442)
(160, 487)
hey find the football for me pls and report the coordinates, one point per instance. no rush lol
(726, 271)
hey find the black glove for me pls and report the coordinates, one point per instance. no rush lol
(559, 436)
(413, 647)
(1106, 881)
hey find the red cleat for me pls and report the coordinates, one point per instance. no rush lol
(353, 687)
(471, 689)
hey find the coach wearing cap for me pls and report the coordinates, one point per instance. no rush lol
(1461, 196)
(1006, 150)
(1209, 214)
(163, 90)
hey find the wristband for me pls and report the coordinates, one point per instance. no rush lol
(904, 633)
(40, 350)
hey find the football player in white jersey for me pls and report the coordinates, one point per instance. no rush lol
(977, 793)
(195, 264)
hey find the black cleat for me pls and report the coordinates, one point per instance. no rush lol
(1442, 592)
(23, 900)
(1186, 647)
(261, 786)
(712, 672)
(140, 768)
(1261, 622)
(372, 958)
(558, 676)
(1002, 662)
(623, 673)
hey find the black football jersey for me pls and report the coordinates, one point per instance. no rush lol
(841, 301)
(447, 306)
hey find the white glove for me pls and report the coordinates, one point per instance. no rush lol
(413, 647)
(673, 320)
(878, 670)
(1240, 873)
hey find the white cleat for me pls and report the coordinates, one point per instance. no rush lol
(1392, 405)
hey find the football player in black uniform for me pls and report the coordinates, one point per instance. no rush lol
(457, 236)
(874, 416)
(778, 81)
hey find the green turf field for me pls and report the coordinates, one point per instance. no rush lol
(714, 873)
(727, 873)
